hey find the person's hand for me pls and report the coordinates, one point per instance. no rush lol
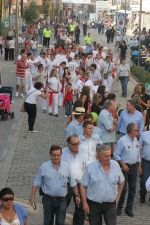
(115, 121)
(139, 170)
(128, 78)
(32, 200)
(117, 201)
(125, 168)
(86, 208)
(78, 200)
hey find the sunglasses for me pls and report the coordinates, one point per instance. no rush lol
(8, 199)
(75, 144)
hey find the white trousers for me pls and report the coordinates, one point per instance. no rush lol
(28, 82)
(108, 83)
(60, 100)
(43, 103)
(55, 104)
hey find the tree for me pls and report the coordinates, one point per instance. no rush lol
(31, 13)
(46, 10)
(57, 10)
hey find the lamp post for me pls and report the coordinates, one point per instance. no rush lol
(140, 22)
(16, 29)
(116, 16)
(125, 12)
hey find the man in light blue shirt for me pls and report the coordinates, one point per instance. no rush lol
(53, 177)
(101, 188)
(145, 154)
(77, 161)
(127, 154)
(89, 141)
(77, 122)
(107, 123)
(130, 115)
(96, 130)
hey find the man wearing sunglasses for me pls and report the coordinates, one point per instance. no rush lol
(127, 154)
(77, 161)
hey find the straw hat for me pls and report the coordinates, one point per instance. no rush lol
(79, 111)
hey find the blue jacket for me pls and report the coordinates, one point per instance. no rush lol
(21, 212)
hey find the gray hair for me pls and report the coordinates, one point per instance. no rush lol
(102, 148)
(107, 103)
(132, 102)
(130, 127)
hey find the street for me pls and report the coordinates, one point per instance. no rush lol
(21, 153)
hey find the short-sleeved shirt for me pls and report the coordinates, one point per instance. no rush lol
(105, 122)
(123, 70)
(33, 96)
(101, 187)
(108, 66)
(95, 76)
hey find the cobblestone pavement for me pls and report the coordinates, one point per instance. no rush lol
(21, 153)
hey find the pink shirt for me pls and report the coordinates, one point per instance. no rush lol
(1, 40)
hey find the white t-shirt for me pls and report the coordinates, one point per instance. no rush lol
(33, 44)
(80, 84)
(95, 76)
(72, 67)
(33, 68)
(94, 53)
(51, 65)
(61, 58)
(88, 62)
(33, 96)
(20, 41)
(99, 63)
(54, 83)
(11, 44)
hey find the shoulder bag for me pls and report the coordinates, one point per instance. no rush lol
(23, 105)
(105, 75)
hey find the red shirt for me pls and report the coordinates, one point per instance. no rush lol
(68, 96)
(20, 72)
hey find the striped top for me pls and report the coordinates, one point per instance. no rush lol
(21, 72)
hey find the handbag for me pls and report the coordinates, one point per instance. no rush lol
(23, 105)
(105, 75)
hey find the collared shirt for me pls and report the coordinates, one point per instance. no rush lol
(71, 127)
(126, 118)
(89, 146)
(107, 67)
(124, 70)
(77, 163)
(96, 130)
(54, 182)
(100, 186)
(145, 145)
(105, 122)
(127, 150)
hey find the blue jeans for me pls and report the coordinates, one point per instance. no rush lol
(124, 83)
(40, 38)
(52, 206)
(130, 179)
(145, 175)
(88, 48)
(34, 51)
(68, 107)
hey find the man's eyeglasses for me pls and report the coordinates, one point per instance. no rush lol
(135, 130)
(8, 199)
(75, 144)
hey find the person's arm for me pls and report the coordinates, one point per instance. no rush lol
(33, 192)
(77, 196)
(44, 95)
(25, 222)
(83, 197)
(120, 188)
(84, 97)
(35, 78)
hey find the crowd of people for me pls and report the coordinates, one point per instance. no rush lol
(106, 146)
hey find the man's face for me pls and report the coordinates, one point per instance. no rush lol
(55, 156)
(135, 131)
(51, 57)
(88, 129)
(48, 52)
(105, 157)
(108, 60)
(74, 144)
(88, 35)
(129, 107)
(98, 56)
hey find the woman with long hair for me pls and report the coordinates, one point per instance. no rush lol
(97, 98)
(138, 101)
(54, 86)
(30, 104)
(102, 90)
(85, 98)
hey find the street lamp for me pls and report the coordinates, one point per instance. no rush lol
(140, 22)
(16, 29)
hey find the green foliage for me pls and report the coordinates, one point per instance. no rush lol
(57, 10)
(31, 13)
(142, 74)
(46, 10)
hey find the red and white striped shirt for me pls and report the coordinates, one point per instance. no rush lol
(21, 72)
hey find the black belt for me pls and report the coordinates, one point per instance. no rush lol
(102, 202)
(130, 165)
(54, 197)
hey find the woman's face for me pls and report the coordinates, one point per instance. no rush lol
(7, 201)
(123, 61)
(139, 89)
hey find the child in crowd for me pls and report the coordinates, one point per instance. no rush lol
(68, 99)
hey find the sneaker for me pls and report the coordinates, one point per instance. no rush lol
(32, 131)
(142, 199)
(16, 94)
(50, 114)
(12, 102)
(22, 95)
(56, 115)
(65, 116)
(44, 111)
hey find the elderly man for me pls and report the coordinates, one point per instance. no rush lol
(101, 188)
(95, 76)
(53, 177)
(127, 154)
(145, 154)
(78, 119)
(130, 114)
(77, 161)
(89, 141)
(107, 123)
